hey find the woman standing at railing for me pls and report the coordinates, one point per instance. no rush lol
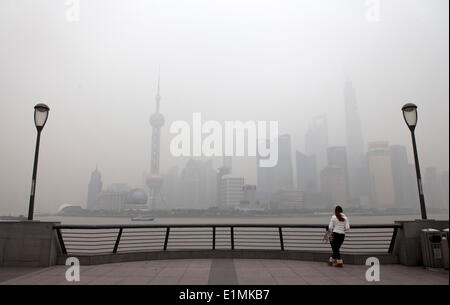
(339, 224)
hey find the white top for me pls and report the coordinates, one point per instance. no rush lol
(339, 226)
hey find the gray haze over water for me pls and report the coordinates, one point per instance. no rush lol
(322, 219)
(228, 59)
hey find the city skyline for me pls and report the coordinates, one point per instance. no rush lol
(287, 62)
(384, 168)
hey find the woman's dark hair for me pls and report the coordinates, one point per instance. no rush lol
(338, 212)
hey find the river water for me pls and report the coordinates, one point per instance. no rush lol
(320, 219)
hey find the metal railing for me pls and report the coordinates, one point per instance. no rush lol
(126, 238)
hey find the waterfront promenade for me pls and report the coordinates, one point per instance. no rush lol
(223, 272)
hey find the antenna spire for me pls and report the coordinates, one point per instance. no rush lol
(158, 97)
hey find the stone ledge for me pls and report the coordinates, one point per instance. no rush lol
(349, 258)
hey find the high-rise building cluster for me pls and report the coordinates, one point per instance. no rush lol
(376, 176)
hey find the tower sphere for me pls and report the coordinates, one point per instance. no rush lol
(157, 120)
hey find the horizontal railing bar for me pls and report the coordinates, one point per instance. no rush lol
(69, 243)
(131, 233)
(87, 253)
(90, 249)
(90, 235)
(206, 242)
(89, 240)
(206, 246)
(241, 247)
(141, 239)
(190, 234)
(379, 238)
(258, 237)
(195, 238)
(138, 247)
(122, 242)
(153, 231)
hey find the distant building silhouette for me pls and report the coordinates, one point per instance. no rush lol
(333, 182)
(273, 179)
(306, 172)
(443, 177)
(337, 157)
(232, 191)
(171, 189)
(382, 194)
(287, 199)
(249, 197)
(357, 171)
(198, 185)
(265, 178)
(94, 190)
(433, 191)
(225, 169)
(154, 181)
(119, 197)
(400, 176)
(283, 169)
(118, 187)
(414, 193)
(316, 141)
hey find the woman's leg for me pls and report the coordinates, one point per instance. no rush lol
(334, 246)
(339, 241)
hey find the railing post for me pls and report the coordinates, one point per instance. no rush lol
(214, 239)
(232, 237)
(116, 245)
(166, 240)
(61, 241)
(281, 238)
(392, 244)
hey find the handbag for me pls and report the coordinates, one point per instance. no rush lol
(328, 237)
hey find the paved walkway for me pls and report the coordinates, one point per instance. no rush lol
(224, 271)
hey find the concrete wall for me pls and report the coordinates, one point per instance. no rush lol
(318, 256)
(28, 243)
(407, 244)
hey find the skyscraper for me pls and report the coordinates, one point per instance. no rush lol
(171, 188)
(380, 174)
(306, 173)
(355, 145)
(400, 175)
(316, 141)
(225, 169)
(273, 179)
(232, 191)
(283, 169)
(154, 181)
(337, 157)
(333, 183)
(432, 189)
(198, 185)
(265, 178)
(94, 190)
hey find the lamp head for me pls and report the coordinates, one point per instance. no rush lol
(410, 115)
(40, 115)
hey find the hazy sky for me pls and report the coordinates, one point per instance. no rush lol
(284, 60)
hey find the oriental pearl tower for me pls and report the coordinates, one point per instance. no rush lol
(154, 181)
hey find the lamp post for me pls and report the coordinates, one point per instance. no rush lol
(40, 118)
(410, 116)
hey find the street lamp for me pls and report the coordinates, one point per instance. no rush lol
(410, 116)
(40, 118)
